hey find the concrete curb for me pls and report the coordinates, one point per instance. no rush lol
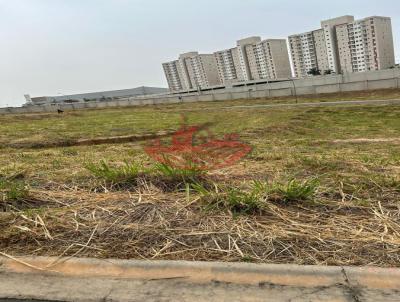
(81, 279)
(199, 272)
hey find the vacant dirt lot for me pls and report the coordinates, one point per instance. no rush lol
(321, 186)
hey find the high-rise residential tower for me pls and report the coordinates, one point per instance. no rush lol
(228, 65)
(254, 59)
(172, 71)
(268, 59)
(366, 44)
(329, 29)
(308, 51)
(244, 47)
(192, 71)
(344, 45)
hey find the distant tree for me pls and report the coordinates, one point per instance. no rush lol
(328, 71)
(314, 71)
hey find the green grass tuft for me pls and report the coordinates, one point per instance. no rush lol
(163, 176)
(172, 172)
(294, 190)
(231, 198)
(257, 196)
(116, 174)
(13, 190)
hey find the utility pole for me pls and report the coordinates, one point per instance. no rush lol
(295, 90)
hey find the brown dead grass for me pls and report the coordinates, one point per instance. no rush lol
(368, 140)
(353, 220)
(151, 225)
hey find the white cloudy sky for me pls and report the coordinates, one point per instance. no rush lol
(50, 47)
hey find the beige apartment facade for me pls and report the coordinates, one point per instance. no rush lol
(172, 74)
(183, 70)
(366, 44)
(228, 65)
(344, 45)
(192, 71)
(303, 49)
(341, 45)
(251, 59)
(203, 71)
(245, 56)
(277, 58)
(316, 49)
(321, 50)
(254, 59)
(268, 59)
(329, 29)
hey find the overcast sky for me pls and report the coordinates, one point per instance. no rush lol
(52, 47)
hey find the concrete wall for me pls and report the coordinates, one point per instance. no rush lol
(384, 79)
(134, 92)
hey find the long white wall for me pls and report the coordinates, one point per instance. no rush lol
(384, 79)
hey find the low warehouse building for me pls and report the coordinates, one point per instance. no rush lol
(97, 96)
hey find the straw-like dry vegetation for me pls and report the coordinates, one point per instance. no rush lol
(321, 186)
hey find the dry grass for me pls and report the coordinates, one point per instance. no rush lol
(353, 219)
(153, 225)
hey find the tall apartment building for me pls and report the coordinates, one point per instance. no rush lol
(272, 60)
(183, 70)
(228, 65)
(244, 47)
(317, 48)
(344, 45)
(308, 51)
(329, 29)
(192, 71)
(203, 71)
(254, 59)
(171, 71)
(366, 44)
(251, 59)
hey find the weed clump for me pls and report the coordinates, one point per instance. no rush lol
(162, 176)
(169, 171)
(12, 190)
(255, 198)
(117, 175)
(294, 190)
(170, 178)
